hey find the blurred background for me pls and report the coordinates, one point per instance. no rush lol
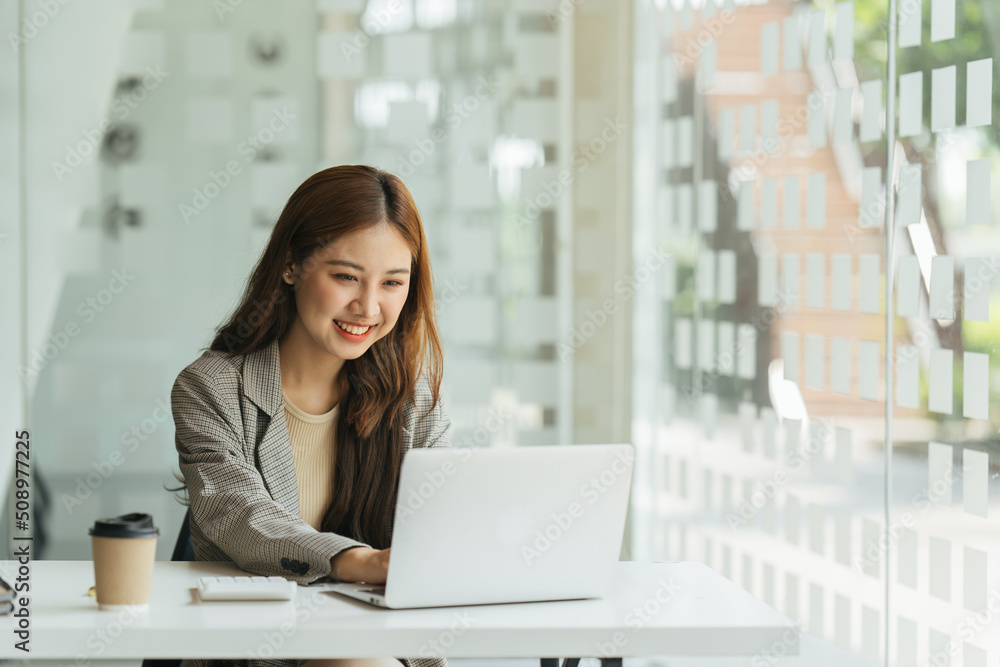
(658, 222)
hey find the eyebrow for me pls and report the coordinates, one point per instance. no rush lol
(344, 262)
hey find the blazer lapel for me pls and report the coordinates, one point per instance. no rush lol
(262, 385)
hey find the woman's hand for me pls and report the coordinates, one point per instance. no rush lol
(361, 564)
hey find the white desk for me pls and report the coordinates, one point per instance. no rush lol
(706, 615)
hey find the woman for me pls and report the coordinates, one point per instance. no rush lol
(332, 355)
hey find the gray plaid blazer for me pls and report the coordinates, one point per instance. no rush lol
(235, 455)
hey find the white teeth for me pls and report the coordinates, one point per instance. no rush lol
(349, 329)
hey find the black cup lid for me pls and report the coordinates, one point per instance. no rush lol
(135, 524)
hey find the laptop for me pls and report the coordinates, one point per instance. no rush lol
(500, 525)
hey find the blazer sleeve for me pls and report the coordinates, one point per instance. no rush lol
(436, 426)
(230, 504)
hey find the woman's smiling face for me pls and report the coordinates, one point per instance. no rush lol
(360, 282)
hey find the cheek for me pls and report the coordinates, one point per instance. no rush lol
(393, 308)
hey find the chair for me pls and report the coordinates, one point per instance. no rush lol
(183, 551)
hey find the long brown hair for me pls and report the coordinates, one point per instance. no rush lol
(328, 205)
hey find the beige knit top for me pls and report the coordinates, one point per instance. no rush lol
(314, 452)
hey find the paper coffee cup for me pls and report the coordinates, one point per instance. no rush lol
(124, 555)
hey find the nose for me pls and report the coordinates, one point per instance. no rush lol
(367, 302)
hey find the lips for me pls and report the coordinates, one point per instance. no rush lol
(354, 337)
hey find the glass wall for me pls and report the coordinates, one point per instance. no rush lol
(763, 168)
(162, 140)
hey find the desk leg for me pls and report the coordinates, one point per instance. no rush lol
(611, 662)
(550, 662)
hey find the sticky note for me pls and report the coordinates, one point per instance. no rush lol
(817, 38)
(979, 273)
(973, 656)
(940, 473)
(907, 558)
(979, 93)
(871, 110)
(870, 531)
(707, 206)
(707, 63)
(791, 46)
(748, 128)
(668, 143)
(727, 348)
(791, 206)
(726, 289)
(976, 385)
(911, 104)
(815, 360)
(868, 369)
(768, 203)
(793, 431)
(940, 382)
(942, 20)
(842, 622)
(842, 455)
(746, 352)
(840, 281)
(907, 376)
(942, 299)
(974, 563)
(815, 280)
(872, 209)
(943, 98)
(790, 355)
(685, 141)
(909, 200)
(840, 366)
(769, 126)
(706, 275)
(748, 418)
(685, 207)
(792, 519)
(978, 202)
(817, 119)
(816, 519)
(682, 343)
(816, 203)
(706, 345)
(939, 561)
(746, 206)
(816, 448)
(727, 134)
(910, 17)
(975, 479)
(843, 122)
(842, 536)
(843, 41)
(906, 641)
(767, 279)
(769, 48)
(908, 287)
(869, 283)
(789, 279)
(870, 629)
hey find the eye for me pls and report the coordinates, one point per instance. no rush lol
(394, 283)
(342, 275)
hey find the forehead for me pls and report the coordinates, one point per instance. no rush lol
(376, 246)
